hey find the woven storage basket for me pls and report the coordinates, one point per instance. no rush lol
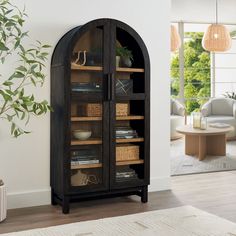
(122, 109)
(127, 152)
(95, 109)
(3, 202)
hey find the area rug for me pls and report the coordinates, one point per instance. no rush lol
(180, 221)
(184, 164)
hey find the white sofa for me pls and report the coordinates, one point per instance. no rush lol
(177, 118)
(221, 110)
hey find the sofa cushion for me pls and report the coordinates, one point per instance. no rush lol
(222, 106)
(175, 121)
(177, 108)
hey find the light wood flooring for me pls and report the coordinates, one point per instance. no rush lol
(213, 192)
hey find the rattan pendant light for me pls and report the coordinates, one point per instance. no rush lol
(175, 39)
(217, 37)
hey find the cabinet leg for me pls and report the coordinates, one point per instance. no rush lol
(144, 194)
(66, 205)
(53, 201)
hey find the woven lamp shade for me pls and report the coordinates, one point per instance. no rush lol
(175, 39)
(217, 39)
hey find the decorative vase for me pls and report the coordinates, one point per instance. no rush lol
(126, 61)
(196, 120)
(117, 61)
(3, 201)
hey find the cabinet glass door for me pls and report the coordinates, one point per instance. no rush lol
(89, 140)
(128, 118)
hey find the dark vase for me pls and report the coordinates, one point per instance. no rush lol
(126, 62)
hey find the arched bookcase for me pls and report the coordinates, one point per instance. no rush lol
(100, 127)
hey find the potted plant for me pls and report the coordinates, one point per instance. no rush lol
(230, 95)
(16, 104)
(124, 56)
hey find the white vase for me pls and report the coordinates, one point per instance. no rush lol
(117, 61)
(3, 203)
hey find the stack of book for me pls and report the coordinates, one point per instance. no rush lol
(83, 157)
(125, 132)
(86, 87)
(126, 174)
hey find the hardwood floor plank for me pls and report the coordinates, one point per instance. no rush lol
(211, 192)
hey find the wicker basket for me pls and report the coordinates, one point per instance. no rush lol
(95, 109)
(122, 109)
(127, 152)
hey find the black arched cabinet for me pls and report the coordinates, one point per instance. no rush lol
(100, 126)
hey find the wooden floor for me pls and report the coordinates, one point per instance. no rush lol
(213, 192)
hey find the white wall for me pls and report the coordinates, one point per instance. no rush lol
(24, 162)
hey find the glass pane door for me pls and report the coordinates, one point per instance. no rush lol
(89, 143)
(129, 115)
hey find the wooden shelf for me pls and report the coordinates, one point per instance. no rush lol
(133, 162)
(130, 117)
(85, 118)
(129, 70)
(86, 68)
(86, 166)
(129, 140)
(86, 142)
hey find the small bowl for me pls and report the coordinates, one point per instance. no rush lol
(82, 134)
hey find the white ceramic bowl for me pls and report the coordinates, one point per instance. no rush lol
(82, 134)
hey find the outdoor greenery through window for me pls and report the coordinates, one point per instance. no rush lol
(197, 72)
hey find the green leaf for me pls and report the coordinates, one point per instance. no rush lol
(7, 83)
(46, 46)
(13, 127)
(3, 47)
(21, 68)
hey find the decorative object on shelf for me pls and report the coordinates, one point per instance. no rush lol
(175, 39)
(196, 120)
(122, 109)
(127, 152)
(81, 58)
(117, 61)
(124, 86)
(217, 37)
(126, 56)
(94, 57)
(95, 109)
(82, 134)
(3, 201)
(84, 156)
(125, 174)
(86, 87)
(81, 178)
(125, 132)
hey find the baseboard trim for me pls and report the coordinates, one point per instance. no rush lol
(43, 197)
(28, 199)
(160, 184)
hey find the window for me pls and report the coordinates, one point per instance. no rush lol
(195, 75)
(224, 65)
